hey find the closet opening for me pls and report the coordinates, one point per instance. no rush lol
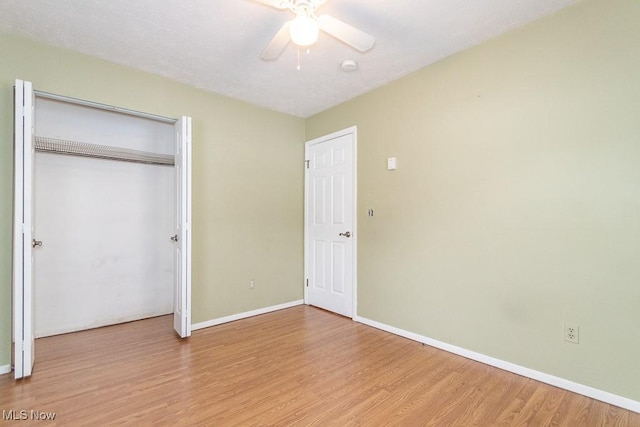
(104, 212)
(102, 221)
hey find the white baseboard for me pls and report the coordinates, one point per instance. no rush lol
(585, 390)
(5, 369)
(234, 317)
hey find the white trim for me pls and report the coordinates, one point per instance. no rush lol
(353, 130)
(305, 238)
(5, 369)
(239, 316)
(18, 226)
(565, 384)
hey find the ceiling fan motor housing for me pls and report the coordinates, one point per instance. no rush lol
(304, 7)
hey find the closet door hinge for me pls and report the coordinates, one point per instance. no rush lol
(307, 283)
(307, 163)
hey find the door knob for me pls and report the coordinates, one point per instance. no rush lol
(35, 243)
(346, 234)
(174, 238)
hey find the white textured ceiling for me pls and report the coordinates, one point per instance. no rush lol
(215, 44)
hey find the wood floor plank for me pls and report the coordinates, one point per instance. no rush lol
(299, 366)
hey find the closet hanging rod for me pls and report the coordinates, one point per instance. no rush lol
(106, 107)
(82, 149)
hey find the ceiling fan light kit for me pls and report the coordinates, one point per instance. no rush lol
(305, 28)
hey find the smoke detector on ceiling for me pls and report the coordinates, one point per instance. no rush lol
(348, 65)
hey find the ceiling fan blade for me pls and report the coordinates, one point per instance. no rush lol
(278, 4)
(277, 43)
(346, 33)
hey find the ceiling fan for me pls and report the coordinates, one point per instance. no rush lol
(304, 29)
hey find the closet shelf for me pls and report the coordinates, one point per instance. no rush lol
(83, 149)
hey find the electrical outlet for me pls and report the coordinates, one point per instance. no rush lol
(252, 284)
(572, 333)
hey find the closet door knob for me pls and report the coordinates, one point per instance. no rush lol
(174, 238)
(35, 243)
(347, 234)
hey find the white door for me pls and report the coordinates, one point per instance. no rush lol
(23, 237)
(182, 239)
(330, 232)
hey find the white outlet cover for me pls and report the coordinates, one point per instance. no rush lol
(572, 333)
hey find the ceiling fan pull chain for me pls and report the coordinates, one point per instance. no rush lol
(298, 58)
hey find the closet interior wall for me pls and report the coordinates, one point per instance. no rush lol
(105, 225)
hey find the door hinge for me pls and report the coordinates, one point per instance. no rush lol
(307, 283)
(307, 163)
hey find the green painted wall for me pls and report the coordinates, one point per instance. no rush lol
(247, 178)
(516, 203)
(515, 207)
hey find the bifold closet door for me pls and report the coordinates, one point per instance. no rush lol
(24, 241)
(105, 225)
(182, 238)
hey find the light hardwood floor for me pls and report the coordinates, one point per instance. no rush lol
(300, 366)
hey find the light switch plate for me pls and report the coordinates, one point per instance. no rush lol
(392, 163)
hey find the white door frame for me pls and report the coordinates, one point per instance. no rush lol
(353, 130)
